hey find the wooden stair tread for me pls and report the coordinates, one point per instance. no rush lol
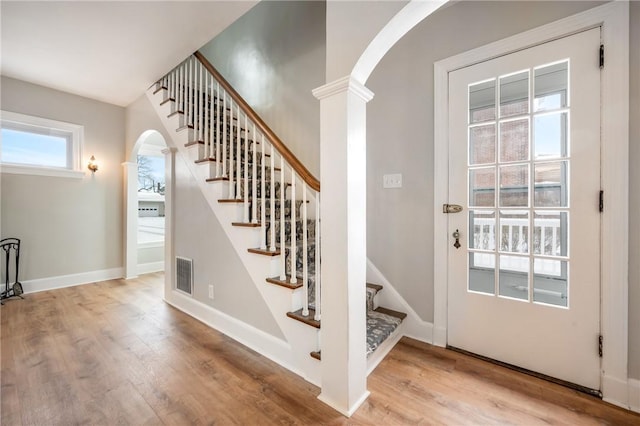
(376, 287)
(230, 200)
(167, 100)
(176, 112)
(264, 252)
(297, 315)
(185, 127)
(159, 89)
(246, 224)
(316, 355)
(205, 160)
(285, 283)
(216, 179)
(390, 312)
(193, 143)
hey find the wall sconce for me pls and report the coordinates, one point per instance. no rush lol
(93, 166)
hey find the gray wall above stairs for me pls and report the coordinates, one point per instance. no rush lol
(273, 56)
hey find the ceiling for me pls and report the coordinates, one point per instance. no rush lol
(111, 51)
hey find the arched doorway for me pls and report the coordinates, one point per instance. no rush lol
(144, 205)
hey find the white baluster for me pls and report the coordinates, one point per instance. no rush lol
(317, 259)
(238, 154)
(246, 167)
(201, 106)
(254, 181)
(263, 198)
(224, 133)
(189, 105)
(283, 266)
(232, 156)
(294, 275)
(272, 200)
(305, 269)
(217, 118)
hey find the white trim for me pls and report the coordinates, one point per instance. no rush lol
(264, 343)
(20, 169)
(634, 395)
(614, 18)
(348, 413)
(412, 326)
(62, 281)
(340, 85)
(147, 268)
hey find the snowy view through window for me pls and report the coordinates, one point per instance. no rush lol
(150, 199)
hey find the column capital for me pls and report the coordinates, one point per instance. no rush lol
(169, 150)
(344, 84)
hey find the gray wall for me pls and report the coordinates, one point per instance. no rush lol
(634, 193)
(199, 236)
(274, 56)
(400, 140)
(67, 226)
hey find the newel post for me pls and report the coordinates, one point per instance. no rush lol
(344, 248)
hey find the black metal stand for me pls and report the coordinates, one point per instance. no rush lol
(8, 245)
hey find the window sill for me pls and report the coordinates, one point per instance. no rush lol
(15, 169)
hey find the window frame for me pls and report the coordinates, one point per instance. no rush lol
(32, 124)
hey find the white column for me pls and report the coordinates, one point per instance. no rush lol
(344, 249)
(131, 219)
(169, 219)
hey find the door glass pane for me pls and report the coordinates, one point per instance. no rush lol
(550, 135)
(550, 87)
(482, 272)
(482, 187)
(482, 144)
(514, 277)
(514, 140)
(550, 233)
(482, 230)
(514, 231)
(514, 186)
(482, 101)
(514, 94)
(551, 184)
(550, 282)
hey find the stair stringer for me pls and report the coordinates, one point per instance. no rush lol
(300, 338)
(412, 326)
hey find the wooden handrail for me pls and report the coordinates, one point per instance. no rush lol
(300, 169)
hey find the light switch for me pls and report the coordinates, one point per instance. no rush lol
(392, 181)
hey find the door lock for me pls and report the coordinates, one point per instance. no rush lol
(451, 208)
(456, 235)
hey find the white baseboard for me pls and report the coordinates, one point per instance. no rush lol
(634, 395)
(615, 391)
(348, 412)
(413, 326)
(147, 268)
(62, 281)
(277, 350)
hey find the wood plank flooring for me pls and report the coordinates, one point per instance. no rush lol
(114, 353)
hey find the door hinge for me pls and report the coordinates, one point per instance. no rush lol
(601, 201)
(601, 56)
(600, 345)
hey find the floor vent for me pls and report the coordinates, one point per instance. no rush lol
(184, 274)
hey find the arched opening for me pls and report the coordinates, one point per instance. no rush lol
(145, 205)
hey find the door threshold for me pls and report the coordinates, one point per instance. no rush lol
(574, 386)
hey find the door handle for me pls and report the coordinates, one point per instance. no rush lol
(451, 208)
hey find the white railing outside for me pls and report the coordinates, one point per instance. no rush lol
(245, 156)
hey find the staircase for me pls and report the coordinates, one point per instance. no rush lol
(267, 201)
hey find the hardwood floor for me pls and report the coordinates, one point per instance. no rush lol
(115, 353)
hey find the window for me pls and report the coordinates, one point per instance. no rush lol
(39, 146)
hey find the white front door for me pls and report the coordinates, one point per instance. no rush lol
(524, 163)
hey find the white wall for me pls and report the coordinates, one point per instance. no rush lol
(400, 140)
(273, 56)
(67, 226)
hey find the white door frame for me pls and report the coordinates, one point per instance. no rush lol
(614, 19)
